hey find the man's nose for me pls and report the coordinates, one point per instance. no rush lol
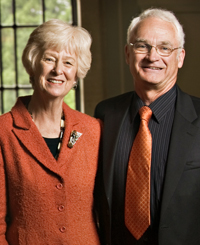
(153, 55)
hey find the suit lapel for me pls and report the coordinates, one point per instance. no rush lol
(113, 122)
(183, 133)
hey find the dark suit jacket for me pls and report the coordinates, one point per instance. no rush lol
(180, 209)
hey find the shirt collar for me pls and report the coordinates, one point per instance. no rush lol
(159, 107)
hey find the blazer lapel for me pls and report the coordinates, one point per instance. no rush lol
(72, 122)
(31, 139)
(29, 136)
(183, 133)
(113, 122)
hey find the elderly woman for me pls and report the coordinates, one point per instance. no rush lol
(49, 152)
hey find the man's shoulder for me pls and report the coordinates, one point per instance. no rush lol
(196, 102)
(188, 104)
(113, 103)
(110, 102)
(118, 98)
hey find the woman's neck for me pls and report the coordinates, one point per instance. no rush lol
(46, 116)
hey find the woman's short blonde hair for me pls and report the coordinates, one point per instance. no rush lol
(58, 35)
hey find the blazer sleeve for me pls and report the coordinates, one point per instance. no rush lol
(3, 208)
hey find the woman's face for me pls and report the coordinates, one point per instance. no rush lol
(55, 73)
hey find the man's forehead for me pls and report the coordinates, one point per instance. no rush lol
(155, 28)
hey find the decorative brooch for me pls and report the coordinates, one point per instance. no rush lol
(73, 138)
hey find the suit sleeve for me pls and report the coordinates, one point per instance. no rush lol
(100, 111)
(3, 207)
(96, 112)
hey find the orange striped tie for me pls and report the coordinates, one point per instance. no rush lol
(137, 201)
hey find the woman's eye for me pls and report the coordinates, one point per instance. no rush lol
(48, 59)
(68, 63)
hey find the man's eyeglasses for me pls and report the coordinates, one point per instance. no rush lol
(144, 48)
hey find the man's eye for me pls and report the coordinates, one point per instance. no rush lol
(141, 45)
(164, 48)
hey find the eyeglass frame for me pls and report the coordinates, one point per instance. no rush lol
(153, 46)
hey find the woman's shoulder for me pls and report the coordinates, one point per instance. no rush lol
(89, 122)
(91, 126)
(86, 117)
(6, 123)
(80, 116)
(5, 118)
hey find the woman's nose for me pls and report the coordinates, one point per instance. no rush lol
(58, 69)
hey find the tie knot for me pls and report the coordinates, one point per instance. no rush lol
(145, 113)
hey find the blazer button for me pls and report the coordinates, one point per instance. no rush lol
(61, 208)
(59, 186)
(63, 229)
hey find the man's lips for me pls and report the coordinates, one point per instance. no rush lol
(152, 67)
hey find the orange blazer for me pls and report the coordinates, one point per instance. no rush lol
(44, 201)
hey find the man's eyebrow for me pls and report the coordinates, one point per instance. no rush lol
(141, 40)
(159, 43)
(165, 43)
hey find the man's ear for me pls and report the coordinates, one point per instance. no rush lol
(127, 53)
(181, 58)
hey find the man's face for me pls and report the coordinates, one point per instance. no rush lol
(150, 70)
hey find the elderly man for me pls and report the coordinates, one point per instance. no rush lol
(148, 182)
